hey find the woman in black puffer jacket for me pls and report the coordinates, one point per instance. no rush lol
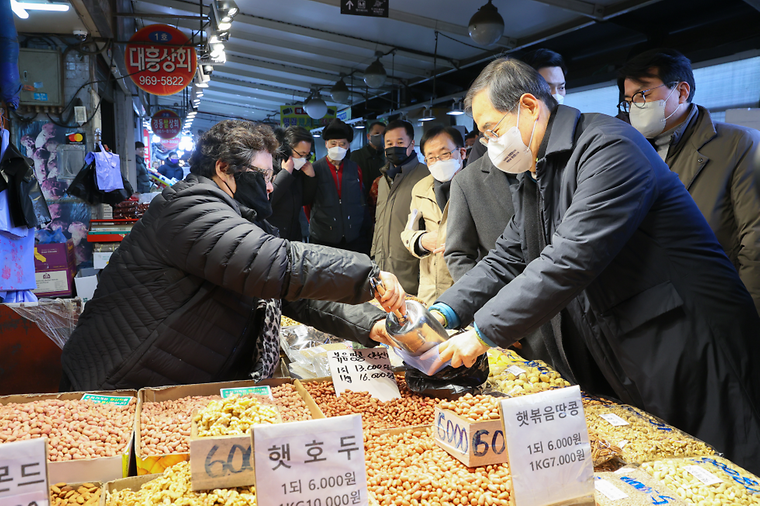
(194, 292)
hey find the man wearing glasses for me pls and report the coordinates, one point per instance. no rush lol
(425, 233)
(715, 161)
(610, 258)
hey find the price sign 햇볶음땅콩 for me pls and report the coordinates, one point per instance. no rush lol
(548, 443)
(311, 463)
(23, 473)
(367, 370)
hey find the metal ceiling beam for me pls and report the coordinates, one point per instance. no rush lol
(264, 87)
(255, 86)
(578, 6)
(625, 7)
(753, 3)
(288, 69)
(239, 99)
(434, 24)
(308, 63)
(228, 70)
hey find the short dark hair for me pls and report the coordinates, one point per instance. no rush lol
(400, 123)
(373, 123)
(671, 66)
(139, 145)
(506, 80)
(233, 142)
(453, 133)
(289, 138)
(472, 134)
(542, 58)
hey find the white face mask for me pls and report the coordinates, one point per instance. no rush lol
(444, 170)
(559, 98)
(299, 162)
(336, 153)
(509, 153)
(650, 119)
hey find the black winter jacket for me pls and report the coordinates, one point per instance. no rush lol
(642, 280)
(176, 301)
(289, 194)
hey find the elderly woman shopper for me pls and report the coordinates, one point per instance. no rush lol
(195, 292)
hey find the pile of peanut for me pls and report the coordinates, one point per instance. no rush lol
(87, 494)
(234, 416)
(737, 487)
(512, 375)
(640, 488)
(644, 438)
(75, 429)
(292, 406)
(174, 487)
(411, 469)
(475, 408)
(165, 425)
(411, 409)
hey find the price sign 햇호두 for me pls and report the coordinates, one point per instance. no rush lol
(367, 370)
(23, 473)
(548, 443)
(311, 463)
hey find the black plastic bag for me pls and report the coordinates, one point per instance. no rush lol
(457, 381)
(27, 204)
(86, 188)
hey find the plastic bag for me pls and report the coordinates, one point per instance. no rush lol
(107, 169)
(456, 381)
(85, 188)
(55, 318)
(631, 486)
(307, 348)
(513, 375)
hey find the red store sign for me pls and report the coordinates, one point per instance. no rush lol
(160, 60)
(166, 124)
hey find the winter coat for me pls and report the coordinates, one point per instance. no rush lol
(434, 275)
(642, 279)
(481, 206)
(171, 170)
(287, 198)
(335, 218)
(175, 303)
(143, 178)
(393, 201)
(370, 161)
(715, 161)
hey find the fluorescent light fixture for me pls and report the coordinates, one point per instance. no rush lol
(44, 6)
(359, 126)
(427, 115)
(456, 109)
(18, 10)
(224, 26)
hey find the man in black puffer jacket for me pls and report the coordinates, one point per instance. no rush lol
(180, 300)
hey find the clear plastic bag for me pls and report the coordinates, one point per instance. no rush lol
(56, 318)
(307, 348)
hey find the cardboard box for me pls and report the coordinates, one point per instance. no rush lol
(75, 486)
(101, 469)
(474, 444)
(131, 483)
(54, 267)
(147, 464)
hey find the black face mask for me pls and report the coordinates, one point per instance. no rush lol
(397, 155)
(376, 141)
(252, 192)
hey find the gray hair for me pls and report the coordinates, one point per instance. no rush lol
(506, 80)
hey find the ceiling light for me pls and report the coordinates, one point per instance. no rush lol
(316, 134)
(315, 107)
(486, 27)
(155, 138)
(456, 109)
(359, 126)
(202, 85)
(375, 75)
(44, 6)
(427, 115)
(225, 10)
(18, 10)
(339, 92)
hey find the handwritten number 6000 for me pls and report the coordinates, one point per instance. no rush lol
(227, 467)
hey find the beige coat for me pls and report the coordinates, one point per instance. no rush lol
(434, 275)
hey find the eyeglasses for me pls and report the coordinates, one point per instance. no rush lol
(491, 134)
(442, 157)
(268, 173)
(300, 155)
(640, 98)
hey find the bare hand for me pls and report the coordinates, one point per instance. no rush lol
(463, 349)
(380, 335)
(429, 241)
(394, 298)
(289, 166)
(440, 249)
(308, 169)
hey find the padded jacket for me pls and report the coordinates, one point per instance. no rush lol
(176, 302)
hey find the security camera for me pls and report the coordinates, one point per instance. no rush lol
(81, 34)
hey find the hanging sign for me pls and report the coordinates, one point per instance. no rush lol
(166, 124)
(373, 8)
(547, 442)
(160, 60)
(316, 462)
(294, 115)
(367, 370)
(23, 473)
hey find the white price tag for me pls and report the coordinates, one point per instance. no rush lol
(367, 370)
(703, 475)
(613, 419)
(311, 463)
(516, 370)
(23, 473)
(547, 442)
(609, 490)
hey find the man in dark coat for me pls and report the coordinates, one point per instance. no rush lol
(171, 168)
(143, 177)
(193, 293)
(610, 257)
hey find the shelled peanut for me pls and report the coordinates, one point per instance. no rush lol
(475, 408)
(639, 488)
(165, 425)
(62, 494)
(288, 322)
(688, 478)
(411, 469)
(411, 409)
(174, 487)
(512, 375)
(292, 406)
(234, 416)
(640, 437)
(75, 429)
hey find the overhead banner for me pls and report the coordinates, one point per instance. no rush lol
(295, 115)
(160, 60)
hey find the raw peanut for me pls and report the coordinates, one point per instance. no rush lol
(476, 408)
(234, 416)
